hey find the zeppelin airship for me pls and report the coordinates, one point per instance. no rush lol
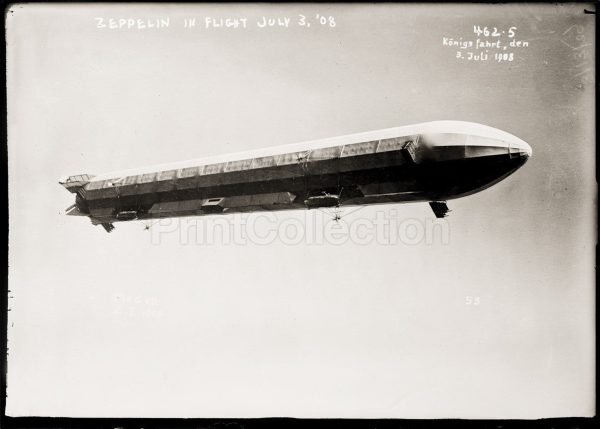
(431, 162)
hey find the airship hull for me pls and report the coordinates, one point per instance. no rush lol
(427, 162)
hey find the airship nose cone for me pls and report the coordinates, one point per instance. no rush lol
(518, 146)
(473, 136)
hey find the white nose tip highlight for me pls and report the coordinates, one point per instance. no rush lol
(518, 146)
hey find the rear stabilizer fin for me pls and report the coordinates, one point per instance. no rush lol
(73, 210)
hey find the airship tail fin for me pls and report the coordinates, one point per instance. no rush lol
(72, 210)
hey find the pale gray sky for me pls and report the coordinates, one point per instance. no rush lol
(118, 325)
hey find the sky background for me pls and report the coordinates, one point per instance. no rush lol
(118, 325)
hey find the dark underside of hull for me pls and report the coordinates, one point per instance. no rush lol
(393, 179)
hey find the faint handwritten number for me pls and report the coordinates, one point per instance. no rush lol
(472, 300)
(579, 52)
(302, 20)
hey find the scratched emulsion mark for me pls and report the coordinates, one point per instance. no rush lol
(127, 308)
(487, 44)
(580, 47)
